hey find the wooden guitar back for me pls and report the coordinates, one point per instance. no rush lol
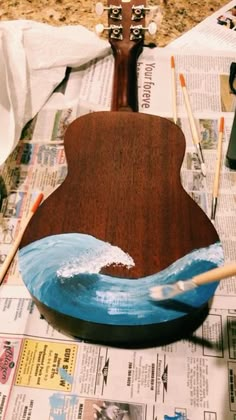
(123, 187)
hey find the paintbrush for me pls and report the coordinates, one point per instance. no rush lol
(168, 291)
(195, 136)
(217, 172)
(173, 85)
(16, 243)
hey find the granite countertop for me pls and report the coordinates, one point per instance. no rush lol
(178, 16)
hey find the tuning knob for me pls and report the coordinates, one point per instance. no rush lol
(99, 8)
(114, 30)
(99, 29)
(136, 31)
(152, 28)
(113, 11)
(138, 12)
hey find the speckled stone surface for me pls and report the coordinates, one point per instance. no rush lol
(178, 16)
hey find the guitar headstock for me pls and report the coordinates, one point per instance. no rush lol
(126, 22)
(126, 29)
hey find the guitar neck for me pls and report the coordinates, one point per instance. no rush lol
(126, 39)
(125, 89)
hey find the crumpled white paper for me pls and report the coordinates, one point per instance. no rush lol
(33, 61)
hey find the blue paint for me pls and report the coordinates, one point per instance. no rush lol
(177, 416)
(65, 375)
(101, 298)
(57, 401)
(59, 404)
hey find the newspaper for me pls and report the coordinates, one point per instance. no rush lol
(218, 31)
(46, 375)
(59, 378)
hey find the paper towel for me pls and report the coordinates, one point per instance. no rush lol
(33, 61)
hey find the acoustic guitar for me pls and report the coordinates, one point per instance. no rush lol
(121, 221)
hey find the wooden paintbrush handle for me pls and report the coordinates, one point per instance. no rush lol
(18, 238)
(216, 274)
(218, 159)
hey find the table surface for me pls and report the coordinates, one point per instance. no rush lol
(178, 16)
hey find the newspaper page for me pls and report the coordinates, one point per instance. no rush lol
(53, 377)
(217, 32)
(46, 375)
(207, 81)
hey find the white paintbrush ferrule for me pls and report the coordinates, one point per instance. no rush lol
(199, 149)
(201, 158)
(184, 286)
(169, 291)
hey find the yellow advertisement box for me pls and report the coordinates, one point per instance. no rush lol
(44, 364)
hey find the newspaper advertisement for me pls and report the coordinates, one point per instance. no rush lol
(68, 379)
(46, 375)
(216, 32)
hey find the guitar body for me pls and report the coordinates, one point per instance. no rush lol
(126, 192)
(119, 224)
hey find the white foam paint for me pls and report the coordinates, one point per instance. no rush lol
(93, 260)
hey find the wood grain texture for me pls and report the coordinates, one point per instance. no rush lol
(123, 186)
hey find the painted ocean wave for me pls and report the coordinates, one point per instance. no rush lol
(62, 271)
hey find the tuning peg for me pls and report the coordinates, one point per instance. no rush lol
(152, 28)
(136, 31)
(99, 8)
(114, 30)
(99, 28)
(154, 13)
(113, 11)
(138, 12)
